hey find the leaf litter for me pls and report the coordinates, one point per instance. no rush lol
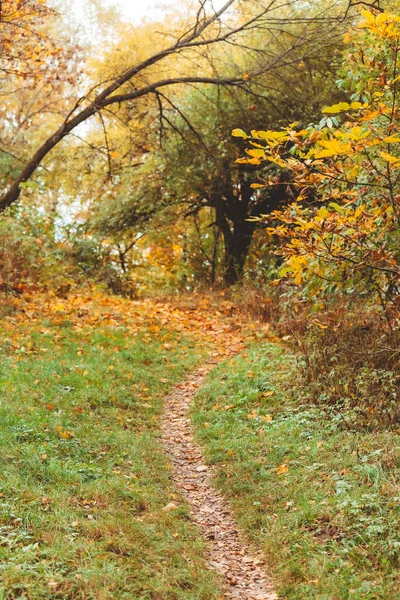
(242, 570)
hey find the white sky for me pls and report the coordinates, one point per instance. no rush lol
(139, 9)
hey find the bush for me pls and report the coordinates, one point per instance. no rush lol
(20, 257)
(351, 364)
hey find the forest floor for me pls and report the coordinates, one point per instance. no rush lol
(243, 572)
(101, 497)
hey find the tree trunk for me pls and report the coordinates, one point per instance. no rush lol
(237, 246)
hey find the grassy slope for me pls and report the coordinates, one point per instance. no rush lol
(83, 480)
(322, 501)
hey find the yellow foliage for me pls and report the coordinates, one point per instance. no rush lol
(390, 158)
(332, 147)
(256, 153)
(342, 106)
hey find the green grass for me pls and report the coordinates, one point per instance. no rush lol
(83, 479)
(322, 501)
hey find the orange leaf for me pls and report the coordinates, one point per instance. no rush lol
(64, 433)
(267, 418)
(282, 469)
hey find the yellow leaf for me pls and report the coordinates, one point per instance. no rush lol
(239, 133)
(333, 147)
(276, 160)
(337, 207)
(382, 18)
(64, 433)
(319, 324)
(392, 139)
(256, 153)
(273, 135)
(368, 16)
(298, 277)
(248, 161)
(322, 213)
(389, 158)
(336, 108)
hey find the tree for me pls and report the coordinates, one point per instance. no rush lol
(209, 29)
(342, 232)
(195, 120)
(40, 65)
(199, 160)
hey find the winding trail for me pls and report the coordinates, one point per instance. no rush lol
(227, 552)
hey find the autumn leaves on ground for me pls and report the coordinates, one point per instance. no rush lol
(88, 506)
(84, 479)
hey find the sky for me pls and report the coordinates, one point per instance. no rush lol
(138, 9)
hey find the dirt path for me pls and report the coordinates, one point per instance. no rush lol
(228, 553)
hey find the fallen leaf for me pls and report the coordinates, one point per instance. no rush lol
(282, 469)
(64, 433)
(53, 584)
(170, 506)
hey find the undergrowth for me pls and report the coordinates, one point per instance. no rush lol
(321, 498)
